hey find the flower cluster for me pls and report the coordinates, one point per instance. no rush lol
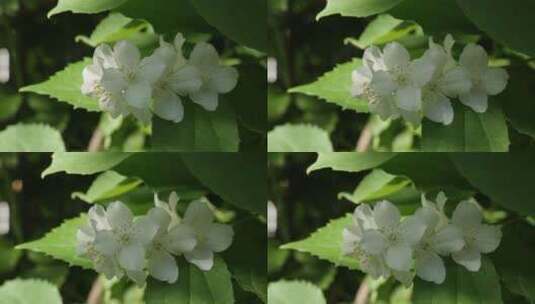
(386, 245)
(396, 86)
(119, 244)
(124, 83)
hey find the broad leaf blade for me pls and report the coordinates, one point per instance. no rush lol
(461, 286)
(66, 86)
(326, 243)
(361, 8)
(29, 292)
(335, 87)
(350, 161)
(299, 138)
(60, 243)
(200, 130)
(84, 163)
(31, 138)
(193, 286)
(290, 292)
(84, 6)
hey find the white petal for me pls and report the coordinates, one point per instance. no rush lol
(363, 216)
(399, 257)
(375, 266)
(455, 82)
(386, 215)
(373, 58)
(494, 80)
(373, 242)
(384, 107)
(199, 215)
(382, 83)
(179, 41)
(168, 106)
(138, 276)
(420, 72)
(119, 216)
(151, 69)
(113, 81)
(430, 267)
(143, 114)
(104, 55)
(219, 237)
(181, 239)
(204, 55)
(467, 215)
(469, 257)
(97, 217)
(126, 54)
(144, 230)
(163, 267)
(108, 266)
(160, 218)
(487, 238)
(224, 79)
(475, 99)
(201, 257)
(360, 79)
(92, 74)
(185, 80)
(474, 57)
(429, 216)
(207, 99)
(138, 94)
(106, 243)
(438, 108)
(448, 240)
(132, 257)
(413, 117)
(411, 230)
(405, 277)
(409, 98)
(350, 240)
(395, 55)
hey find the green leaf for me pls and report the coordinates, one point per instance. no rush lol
(326, 243)
(60, 243)
(335, 87)
(84, 163)
(505, 177)
(31, 138)
(249, 97)
(193, 286)
(515, 25)
(9, 105)
(515, 100)
(461, 286)
(428, 172)
(291, 292)
(377, 184)
(350, 161)
(437, 16)
(66, 86)
(378, 28)
(107, 185)
(167, 16)
(248, 269)
(84, 6)
(118, 27)
(240, 20)
(512, 260)
(361, 8)
(299, 138)
(201, 130)
(29, 292)
(469, 132)
(222, 172)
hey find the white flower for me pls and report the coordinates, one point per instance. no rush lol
(478, 237)
(449, 80)
(216, 78)
(211, 237)
(393, 238)
(402, 78)
(126, 240)
(169, 240)
(179, 79)
(169, 207)
(440, 238)
(485, 80)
